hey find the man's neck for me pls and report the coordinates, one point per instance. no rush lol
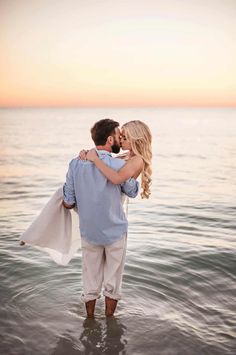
(103, 147)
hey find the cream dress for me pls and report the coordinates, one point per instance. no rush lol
(56, 229)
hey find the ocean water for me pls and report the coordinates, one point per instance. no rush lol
(179, 286)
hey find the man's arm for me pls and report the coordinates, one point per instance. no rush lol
(130, 187)
(69, 200)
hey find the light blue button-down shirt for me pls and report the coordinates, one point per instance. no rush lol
(98, 201)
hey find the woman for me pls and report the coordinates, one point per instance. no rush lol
(136, 138)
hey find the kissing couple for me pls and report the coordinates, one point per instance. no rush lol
(93, 198)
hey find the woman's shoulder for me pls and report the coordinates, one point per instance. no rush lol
(136, 161)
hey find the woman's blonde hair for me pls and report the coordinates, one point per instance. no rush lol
(140, 138)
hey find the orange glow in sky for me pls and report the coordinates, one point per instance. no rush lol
(117, 53)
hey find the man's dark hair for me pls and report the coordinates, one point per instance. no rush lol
(102, 129)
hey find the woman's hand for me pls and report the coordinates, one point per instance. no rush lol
(92, 155)
(83, 154)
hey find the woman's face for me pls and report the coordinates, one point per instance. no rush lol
(124, 142)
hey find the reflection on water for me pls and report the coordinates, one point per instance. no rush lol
(97, 336)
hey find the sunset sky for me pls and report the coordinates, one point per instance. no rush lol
(117, 53)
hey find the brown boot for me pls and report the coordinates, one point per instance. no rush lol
(110, 306)
(90, 307)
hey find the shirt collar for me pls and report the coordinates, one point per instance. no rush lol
(102, 152)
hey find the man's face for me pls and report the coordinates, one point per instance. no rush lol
(115, 148)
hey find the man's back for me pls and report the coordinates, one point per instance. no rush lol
(102, 218)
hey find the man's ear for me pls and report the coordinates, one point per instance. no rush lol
(110, 140)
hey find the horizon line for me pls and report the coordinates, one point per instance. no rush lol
(118, 106)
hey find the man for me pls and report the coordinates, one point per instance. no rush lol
(103, 224)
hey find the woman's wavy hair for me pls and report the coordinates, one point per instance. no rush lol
(140, 138)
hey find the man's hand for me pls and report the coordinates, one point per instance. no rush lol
(69, 207)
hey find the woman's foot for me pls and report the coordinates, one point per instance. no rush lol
(110, 306)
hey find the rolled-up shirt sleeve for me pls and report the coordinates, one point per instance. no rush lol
(68, 187)
(130, 187)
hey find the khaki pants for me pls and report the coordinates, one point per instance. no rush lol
(103, 265)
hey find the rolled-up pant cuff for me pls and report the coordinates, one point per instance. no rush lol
(112, 295)
(87, 298)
